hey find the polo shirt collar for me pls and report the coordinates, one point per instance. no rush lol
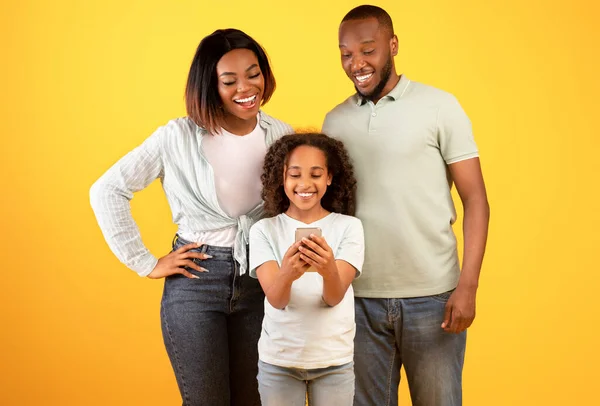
(395, 94)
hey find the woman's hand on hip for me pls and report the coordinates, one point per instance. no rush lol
(176, 261)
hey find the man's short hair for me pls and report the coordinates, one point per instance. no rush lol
(367, 11)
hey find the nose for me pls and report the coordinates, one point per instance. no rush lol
(303, 182)
(357, 63)
(243, 86)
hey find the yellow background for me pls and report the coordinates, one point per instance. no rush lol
(84, 82)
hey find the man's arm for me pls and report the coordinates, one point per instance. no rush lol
(467, 176)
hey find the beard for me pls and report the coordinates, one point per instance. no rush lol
(386, 72)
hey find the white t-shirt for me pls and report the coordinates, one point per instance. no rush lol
(237, 164)
(308, 333)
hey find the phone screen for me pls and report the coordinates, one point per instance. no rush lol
(306, 232)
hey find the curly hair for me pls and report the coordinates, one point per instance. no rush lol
(340, 195)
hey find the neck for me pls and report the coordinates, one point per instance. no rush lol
(389, 86)
(307, 216)
(237, 126)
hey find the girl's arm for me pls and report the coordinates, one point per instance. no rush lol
(337, 275)
(340, 269)
(277, 282)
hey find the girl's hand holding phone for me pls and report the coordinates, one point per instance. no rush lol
(292, 265)
(317, 253)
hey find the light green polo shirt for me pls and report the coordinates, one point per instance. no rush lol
(401, 148)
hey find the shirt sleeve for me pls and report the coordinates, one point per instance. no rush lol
(455, 135)
(110, 196)
(328, 125)
(261, 250)
(352, 247)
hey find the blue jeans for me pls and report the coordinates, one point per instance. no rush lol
(211, 328)
(395, 332)
(331, 386)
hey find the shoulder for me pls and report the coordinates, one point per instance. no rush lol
(343, 109)
(278, 127)
(420, 92)
(183, 126)
(264, 226)
(176, 130)
(343, 222)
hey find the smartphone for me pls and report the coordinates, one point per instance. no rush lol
(306, 232)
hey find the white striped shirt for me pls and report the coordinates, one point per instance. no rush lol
(172, 154)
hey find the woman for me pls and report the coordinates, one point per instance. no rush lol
(210, 164)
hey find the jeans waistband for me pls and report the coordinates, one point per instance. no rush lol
(178, 242)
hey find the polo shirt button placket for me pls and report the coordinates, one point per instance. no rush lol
(373, 115)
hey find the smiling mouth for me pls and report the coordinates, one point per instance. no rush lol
(363, 79)
(305, 195)
(247, 103)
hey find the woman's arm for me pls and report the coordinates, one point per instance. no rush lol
(110, 196)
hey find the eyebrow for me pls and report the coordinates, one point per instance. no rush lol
(314, 167)
(233, 74)
(367, 41)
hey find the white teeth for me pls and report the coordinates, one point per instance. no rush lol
(305, 194)
(363, 78)
(246, 100)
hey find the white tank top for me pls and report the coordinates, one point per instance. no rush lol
(237, 163)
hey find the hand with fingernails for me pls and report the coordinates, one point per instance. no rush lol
(176, 261)
(317, 253)
(292, 267)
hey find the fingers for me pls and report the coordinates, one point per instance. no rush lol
(292, 250)
(459, 321)
(464, 324)
(184, 252)
(309, 261)
(297, 259)
(317, 244)
(198, 255)
(188, 274)
(307, 253)
(187, 247)
(190, 264)
(447, 317)
(455, 322)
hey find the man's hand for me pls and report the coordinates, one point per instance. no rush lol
(460, 310)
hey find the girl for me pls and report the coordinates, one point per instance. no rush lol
(306, 345)
(209, 164)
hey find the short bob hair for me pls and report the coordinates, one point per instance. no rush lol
(202, 99)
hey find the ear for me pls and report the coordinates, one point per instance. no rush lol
(329, 179)
(394, 45)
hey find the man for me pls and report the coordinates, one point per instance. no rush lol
(409, 143)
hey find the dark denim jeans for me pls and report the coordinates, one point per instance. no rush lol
(395, 332)
(211, 328)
